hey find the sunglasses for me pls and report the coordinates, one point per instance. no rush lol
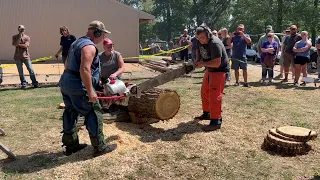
(269, 36)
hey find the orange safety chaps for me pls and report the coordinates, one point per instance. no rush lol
(211, 93)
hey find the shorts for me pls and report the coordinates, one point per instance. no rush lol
(301, 60)
(288, 59)
(239, 63)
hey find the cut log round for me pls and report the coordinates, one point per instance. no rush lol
(284, 143)
(298, 133)
(274, 133)
(61, 106)
(162, 104)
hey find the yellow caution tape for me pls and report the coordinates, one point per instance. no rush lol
(141, 57)
(35, 60)
(162, 52)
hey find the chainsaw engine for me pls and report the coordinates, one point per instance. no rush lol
(116, 88)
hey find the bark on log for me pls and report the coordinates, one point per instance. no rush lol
(162, 104)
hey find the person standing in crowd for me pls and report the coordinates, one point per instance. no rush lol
(269, 51)
(22, 56)
(111, 61)
(194, 42)
(220, 35)
(215, 32)
(239, 41)
(318, 60)
(225, 36)
(281, 60)
(212, 55)
(77, 84)
(65, 42)
(184, 41)
(289, 54)
(264, 39)
(302, 50)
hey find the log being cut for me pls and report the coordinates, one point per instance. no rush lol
(144, 100)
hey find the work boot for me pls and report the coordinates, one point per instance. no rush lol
(106, 149)
(74, 149)
(204, 116)
(71, 142)
(214, 125)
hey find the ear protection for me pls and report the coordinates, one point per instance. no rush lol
(208, 31)
(97, 33)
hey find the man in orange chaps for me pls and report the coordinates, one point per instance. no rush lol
(212, 55)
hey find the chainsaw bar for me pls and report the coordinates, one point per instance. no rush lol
(162, 79)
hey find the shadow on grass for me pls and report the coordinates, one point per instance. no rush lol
(280, 85)
(25, 164)
(148, 133)
(17, 87)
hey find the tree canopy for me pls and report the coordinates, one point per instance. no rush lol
(172, 16)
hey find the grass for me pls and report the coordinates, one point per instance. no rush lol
(175, 149)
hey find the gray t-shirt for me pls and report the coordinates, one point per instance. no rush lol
(109, 64)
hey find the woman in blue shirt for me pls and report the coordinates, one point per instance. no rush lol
(302, 50)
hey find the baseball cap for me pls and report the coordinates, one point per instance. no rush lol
(98, 25)
(21, 27)
(269, 28)
(107, 41)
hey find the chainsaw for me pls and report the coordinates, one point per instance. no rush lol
(115, 91)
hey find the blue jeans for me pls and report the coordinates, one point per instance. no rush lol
(28, 64)
(266, 71)
(76, 101)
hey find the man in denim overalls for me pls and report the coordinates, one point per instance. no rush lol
(77, 87)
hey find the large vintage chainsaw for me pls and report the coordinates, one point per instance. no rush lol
(143, 99)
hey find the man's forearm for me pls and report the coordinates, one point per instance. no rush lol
(60, 50)
(215, 63)
(86, 78)
(248, 40)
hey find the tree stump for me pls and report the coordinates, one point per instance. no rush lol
(161, 104)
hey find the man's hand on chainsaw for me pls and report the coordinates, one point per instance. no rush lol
(199, 64)
(93, 97)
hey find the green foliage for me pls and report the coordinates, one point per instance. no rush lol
(172, 16)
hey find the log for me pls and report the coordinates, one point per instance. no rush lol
(161, 104)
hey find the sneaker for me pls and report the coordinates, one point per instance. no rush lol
(295, 83)
(204, 116)
(236, 84)
(262, 81)
(246, 85)
(36, 86)
(106, 150)
(271, 81)
(303, 84)
(70, 150)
